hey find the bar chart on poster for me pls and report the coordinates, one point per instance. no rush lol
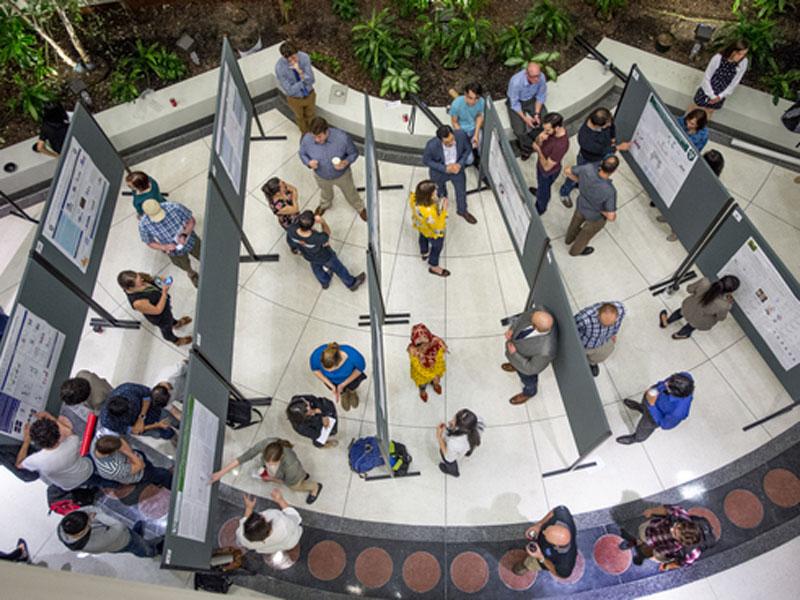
(28, 361)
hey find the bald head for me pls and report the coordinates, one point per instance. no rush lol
(558, 535)
(542, 320)
(533, 71)
(608, 314)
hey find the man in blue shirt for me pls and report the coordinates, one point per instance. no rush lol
(129, 409)
(169, 228)
(525, 98)
(296, 80)
(664, 405)
(446, 157)
(598, 326)
(466, 114)
(329, 152)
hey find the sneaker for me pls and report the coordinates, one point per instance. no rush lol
(532, 190)
(661, 218)
(566, 201)
(182, 322)
(632, 404)
(360, 278)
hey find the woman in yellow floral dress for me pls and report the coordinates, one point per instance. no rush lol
(426, 352)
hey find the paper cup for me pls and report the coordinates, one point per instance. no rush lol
(336, 160)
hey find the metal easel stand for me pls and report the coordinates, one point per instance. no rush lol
(683, 273)
(381, 186)
(386, 318)
(97, 324)
(777, 413)
(578, 464)
(232, 389)
(16, 210)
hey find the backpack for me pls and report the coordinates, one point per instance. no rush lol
(709, 539)
(399, 458)
(240, 414)
(212, 582)
(791, 118)
(62, 502)
(364, 454)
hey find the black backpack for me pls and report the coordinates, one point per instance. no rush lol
(399, 457)
(212, 582)
(791, 118)
(240, 414)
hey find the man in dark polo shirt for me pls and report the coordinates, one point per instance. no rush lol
(551, 145)
(551, 545)
(597, 203)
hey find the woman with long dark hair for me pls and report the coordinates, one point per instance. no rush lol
(458, 439)
(152, 300)
(429, 216)
(310, 415)
(706, 305)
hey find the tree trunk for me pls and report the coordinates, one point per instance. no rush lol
(73, 37)
(62, 54)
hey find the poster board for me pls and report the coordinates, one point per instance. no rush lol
(373, 185)
(376, 314)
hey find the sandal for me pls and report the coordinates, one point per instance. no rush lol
(662, 319)
(443, 273)
(423, 395)
(182, 322)
(437, 388)
(311, 498)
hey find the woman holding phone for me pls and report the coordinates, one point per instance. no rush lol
(150, 297)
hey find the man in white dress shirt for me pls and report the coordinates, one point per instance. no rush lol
(269, 531)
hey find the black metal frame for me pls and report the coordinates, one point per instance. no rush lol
(232, 389)
(386, 318)
(17, 210)
(597, 55)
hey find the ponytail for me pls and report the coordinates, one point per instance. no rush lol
(331, 355)
(725, 285)
(273, 452)
(468, 423)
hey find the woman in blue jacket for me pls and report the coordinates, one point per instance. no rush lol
(664, 405)
(341, 369)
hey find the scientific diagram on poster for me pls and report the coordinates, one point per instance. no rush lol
(767, 301)
(197, 464)
(28, 360)
(230, 142)
(511, 203)
(662, 150)
(77, 203)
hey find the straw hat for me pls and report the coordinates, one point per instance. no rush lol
(153, 210)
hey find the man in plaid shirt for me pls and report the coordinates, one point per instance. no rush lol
(670, 536)
(169, 228)
(598, 325)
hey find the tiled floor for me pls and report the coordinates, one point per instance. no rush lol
(283, 314)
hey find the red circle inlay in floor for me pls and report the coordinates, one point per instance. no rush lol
(421, 572)
(782, 487)
(514, 582)
(469, 572)
(609, 557)
(327, 560)
(154, 502)
(743, 509)
(227, 533)
(374, 567)
(280, 561)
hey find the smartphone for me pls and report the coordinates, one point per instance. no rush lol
(168, 280)
(532, 547)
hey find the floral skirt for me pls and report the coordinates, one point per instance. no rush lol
(423, 375)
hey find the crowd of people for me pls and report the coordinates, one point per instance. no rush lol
(52, 449)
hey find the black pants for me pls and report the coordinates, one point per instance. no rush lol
(646, 425)
(14, 556)
(451, 468)
(686, 329)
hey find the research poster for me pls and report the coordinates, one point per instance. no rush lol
(511, 203)
(72, 220)
(230, 142)
(28, 360)
(194, 471)
(767, 301)
(662, 150)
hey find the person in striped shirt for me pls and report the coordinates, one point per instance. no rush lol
(598, 326)
(114, 459)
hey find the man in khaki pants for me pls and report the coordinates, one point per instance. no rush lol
(329, 152)
(597, 203)
(296, 79)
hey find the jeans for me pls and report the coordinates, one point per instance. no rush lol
(568, 184)
(324, 272)
(686, 329)
(459, 183)
(158, 476)
(472, 160)
(544, 183)
(138, 546)
(530, 383)
(435, 246)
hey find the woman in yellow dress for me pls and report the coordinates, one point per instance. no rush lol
(426, 352)
(428, 218)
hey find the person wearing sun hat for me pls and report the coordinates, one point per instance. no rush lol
(169, 228)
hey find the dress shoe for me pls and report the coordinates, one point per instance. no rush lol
(519, 399)
(319, 211)
(632, 404)
(532, 190)
(507, 366)
(423, 395)
(595, 370)
(625, 439)
(363, 214)
(519, 569)
(359, 280)
(468, 217)
(587, 251)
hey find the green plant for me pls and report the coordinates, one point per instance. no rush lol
(155, 59)
(407, 8)
(467, 35)
(783, 84)
(513, 41)
(123, 85)
(608, 7)
(17, 44)
(548, 18)
(430, 33)
(760, 35)
(322, 59)
(285, 7)
(403, 81)
(543, 58)
(763, 8)
(346, 10)
(31, 96)
(378, 45)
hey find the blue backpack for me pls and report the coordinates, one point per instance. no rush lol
(364, 454)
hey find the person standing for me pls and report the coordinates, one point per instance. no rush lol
(169, 228)
(525, 98)
(296, 79)
(341, 370)
(82, 531)
(466, 113)
(706, 305)
(693, 124)
(664, 405)
(53, 134)
(458, 439)
(85, 387)
(271, 530)
(551, 145)
(329, 152)
(429, 219)
(551, 545)
(284, 201)
(531, 345)
(446, 157)
(316, 248)
(153, 301)
(597, 138)
(279, 465)
(143, 187)
(598, 326)
(723, 73)
(597, 203)
(310, 415)
(426, 353)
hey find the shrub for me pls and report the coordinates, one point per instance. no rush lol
(123, 85)
(407, 8)
(759, 34)
(405, 81)
(430, 33)
(346, 10)
(783, 84)
(608, 7)
(140, 68)
(467, 35)
(378, 45)
(513, 41)
(320, 58)
(543, 58)
(764, 8)
(31, 96)
(548, 18)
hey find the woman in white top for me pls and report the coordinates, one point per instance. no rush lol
(269, 531)
(723, 74)
(458, 439)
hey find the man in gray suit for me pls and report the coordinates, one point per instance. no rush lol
(530, 347)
